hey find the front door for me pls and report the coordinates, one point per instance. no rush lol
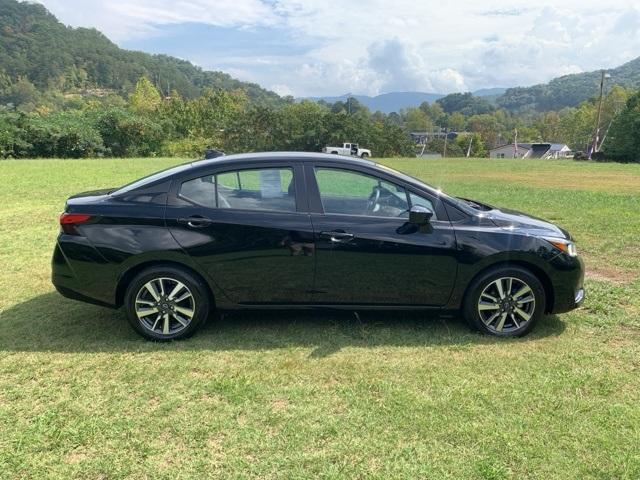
(248, 230)
(366, 251)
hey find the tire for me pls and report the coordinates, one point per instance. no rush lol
(364, 155)
(515, 313)
(169, 318)
(334, 153)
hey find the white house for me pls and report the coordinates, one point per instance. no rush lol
(532, 150)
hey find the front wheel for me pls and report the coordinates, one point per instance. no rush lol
(505, 302)
(166, 303)
(365, 155)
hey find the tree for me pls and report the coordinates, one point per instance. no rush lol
(456, 122)
(465, 103)
(488, 127)
(435, 112)
(302, 127)
(13, 134)
(21, 93)
(145, 99)
(127, 134)
(624, 136)
(474, 140)
(417, 121)
(63, 135)
(577, 124)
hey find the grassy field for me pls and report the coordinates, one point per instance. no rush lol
(304, 395)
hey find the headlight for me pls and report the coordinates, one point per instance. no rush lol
(563, 245)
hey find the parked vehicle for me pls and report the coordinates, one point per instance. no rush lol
(351, 149)
(297, 230)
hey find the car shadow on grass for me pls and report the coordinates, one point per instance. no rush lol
(50, 322)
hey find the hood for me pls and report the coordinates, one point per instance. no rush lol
(524, 223)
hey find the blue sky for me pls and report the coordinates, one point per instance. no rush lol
(331, 47)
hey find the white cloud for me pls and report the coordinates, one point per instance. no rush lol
(374, 46)
(125, 19)
(281, 89)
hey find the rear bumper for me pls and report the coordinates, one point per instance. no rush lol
(73, 295)
(79, 272)
(568, 283)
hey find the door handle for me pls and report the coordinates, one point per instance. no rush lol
(337, 236)
(196, 221)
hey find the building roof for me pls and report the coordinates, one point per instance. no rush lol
(554, 147)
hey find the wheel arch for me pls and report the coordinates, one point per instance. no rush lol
(126, 278)
(539, 273)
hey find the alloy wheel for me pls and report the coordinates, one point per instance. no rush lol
(506, 304)
(165, 306)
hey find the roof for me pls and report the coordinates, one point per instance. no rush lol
(558, 146)
(258, 156)
(529, 146)
(520, 145)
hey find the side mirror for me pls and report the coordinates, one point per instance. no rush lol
(419, 215)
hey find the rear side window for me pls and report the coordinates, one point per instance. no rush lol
(270, 189)
(201, 191)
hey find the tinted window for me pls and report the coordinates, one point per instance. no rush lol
(152, 178)
(263, 189)
(353, 193)
(200, 190)
(423, 202)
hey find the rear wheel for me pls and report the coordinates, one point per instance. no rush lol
(166, 303)
(505, 302)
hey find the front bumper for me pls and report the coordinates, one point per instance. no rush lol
(567, 278)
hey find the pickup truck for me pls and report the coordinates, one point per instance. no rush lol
(348, 149)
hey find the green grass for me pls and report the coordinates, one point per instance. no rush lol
(304, 395)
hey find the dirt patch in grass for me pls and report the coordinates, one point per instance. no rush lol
(77, 455)
(280, 404)
(611, 274)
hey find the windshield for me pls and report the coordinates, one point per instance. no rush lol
(154, 177)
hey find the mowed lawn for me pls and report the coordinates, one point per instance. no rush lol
(308, 395)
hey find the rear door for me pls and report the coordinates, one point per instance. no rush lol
(248, 227)
(366, 252)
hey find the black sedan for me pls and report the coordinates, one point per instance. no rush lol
(295, 230)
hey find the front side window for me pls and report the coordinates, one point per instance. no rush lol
(269, 189)
(421, 201)
(352, 193)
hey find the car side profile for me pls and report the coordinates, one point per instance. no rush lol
(301, 230)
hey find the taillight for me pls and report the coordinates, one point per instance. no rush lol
(68, 222)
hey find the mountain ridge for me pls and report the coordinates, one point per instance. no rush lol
(396, 101)
(35, 45)
(569, 90)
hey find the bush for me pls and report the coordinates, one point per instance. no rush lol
(185, 147)
(126, 134)
(63, 135)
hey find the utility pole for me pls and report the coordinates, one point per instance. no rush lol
(515, 144)
(596, 135)
(469, 149)
(446, 138)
